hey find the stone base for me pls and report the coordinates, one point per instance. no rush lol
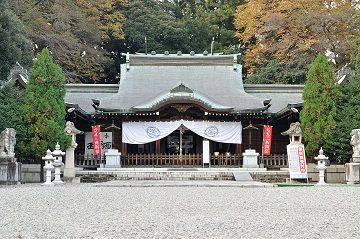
(112, 158)
(48, 184)
(356, 159)
(72, 180)
(69, 172)
(352, 173)
(10, 172)
(321, 184)
(250, 159)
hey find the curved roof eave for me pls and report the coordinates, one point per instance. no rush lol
(181, 97)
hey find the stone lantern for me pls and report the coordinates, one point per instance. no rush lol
(58, 154)
(69, 169)
(49, 159)
(321, 159)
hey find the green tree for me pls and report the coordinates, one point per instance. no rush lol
(348, 117)
(157, 22)
(10, 115)
(179, 25)
(208, 19)
(14, 45)
(318, 114)
(44, 107)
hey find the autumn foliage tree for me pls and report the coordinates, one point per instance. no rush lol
(291, 31)
(76, 33)
(319, 111)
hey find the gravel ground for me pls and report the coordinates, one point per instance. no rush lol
(85, 211)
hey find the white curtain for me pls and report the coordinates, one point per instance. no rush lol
(223, 132)
(146, 132)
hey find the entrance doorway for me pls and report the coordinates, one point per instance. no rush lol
(188, 142)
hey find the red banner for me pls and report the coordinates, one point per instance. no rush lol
(302, 162)
(267, 136)
(96, 139)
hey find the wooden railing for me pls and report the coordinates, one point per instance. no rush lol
(168, 160)
(274, 161)
(177, 160)
(162, 160)
(89, 161)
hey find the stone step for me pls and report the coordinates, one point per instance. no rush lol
(173, 176)
(271, 178)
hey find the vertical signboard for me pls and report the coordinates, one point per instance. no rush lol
(297, 161)
(206, 152)
(105, 142)
(267, 137)
(96, 139)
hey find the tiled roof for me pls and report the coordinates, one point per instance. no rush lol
(219, 83)
(280, 95)
(148, 81)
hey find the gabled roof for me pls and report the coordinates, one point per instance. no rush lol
(181, 94)
(215, 80)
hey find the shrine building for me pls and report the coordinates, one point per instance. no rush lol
(166, 105)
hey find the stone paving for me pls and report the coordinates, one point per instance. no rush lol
(90, 211)
(179, 183)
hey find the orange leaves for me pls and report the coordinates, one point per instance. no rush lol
(286, 29)
(107, 16)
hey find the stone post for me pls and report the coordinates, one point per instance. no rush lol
(250, 159)
(352, 169)
(321, 158)
(113, 158)
(48, 167)
(58, 154)
(69, 170)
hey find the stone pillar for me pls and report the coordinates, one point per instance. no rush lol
(69, 170)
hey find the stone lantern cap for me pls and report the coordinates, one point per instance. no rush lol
(57, 151)
(321, 155)
(48, 156)
(71, 129)
(295, 129)
(294, 132)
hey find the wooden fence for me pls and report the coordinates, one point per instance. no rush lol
(175, 160)
(275, 161)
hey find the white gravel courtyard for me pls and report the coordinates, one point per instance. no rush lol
(85, 211)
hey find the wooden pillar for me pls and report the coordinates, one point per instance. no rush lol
(123, 148)
(157, 147)
(238, 149)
